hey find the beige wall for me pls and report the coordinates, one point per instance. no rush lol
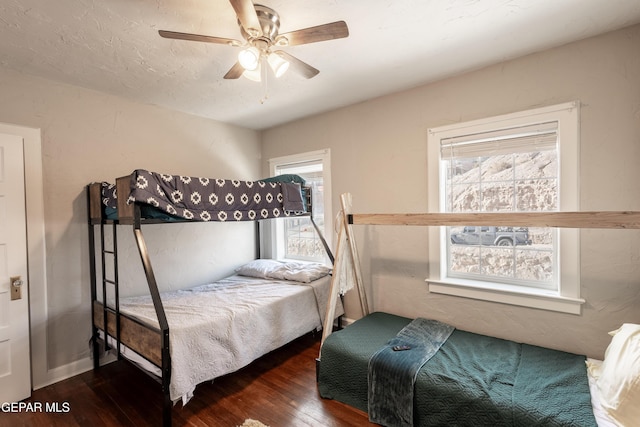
(379, 154)
(88, 136)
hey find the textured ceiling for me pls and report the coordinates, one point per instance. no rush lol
(113, 46)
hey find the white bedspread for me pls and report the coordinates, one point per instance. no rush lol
(602, 417)
(218, 328)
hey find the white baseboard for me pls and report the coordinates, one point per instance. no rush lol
(64, 372)
(347, 321)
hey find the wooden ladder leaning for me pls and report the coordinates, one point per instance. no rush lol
(346, 251)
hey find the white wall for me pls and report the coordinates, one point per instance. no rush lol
(88, 136)
(379, 154)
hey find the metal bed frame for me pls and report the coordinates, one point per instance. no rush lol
(149, 342)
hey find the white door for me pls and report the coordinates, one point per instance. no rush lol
(15, 372)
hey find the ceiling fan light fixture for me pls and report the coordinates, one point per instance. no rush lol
(278, 64)
(255, 74)
(260, 30)
(249, 58)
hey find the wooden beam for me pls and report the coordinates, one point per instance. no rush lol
(596, 219)
(346, 204)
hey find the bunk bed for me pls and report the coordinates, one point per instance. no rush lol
(448, 376)
(227, 323)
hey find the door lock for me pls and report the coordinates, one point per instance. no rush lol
(16, 287)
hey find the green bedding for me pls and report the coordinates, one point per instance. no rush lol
(473, 380)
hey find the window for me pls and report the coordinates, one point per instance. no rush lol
(520, 162)
(296, 238)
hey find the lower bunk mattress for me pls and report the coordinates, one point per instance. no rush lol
(472, 380)
(218, 328)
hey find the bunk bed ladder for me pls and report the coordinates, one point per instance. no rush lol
(95, 218)
(113, 281)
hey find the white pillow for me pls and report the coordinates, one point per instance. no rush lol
(295, 271)
(260, 268)
(619, 377)
(305, 271)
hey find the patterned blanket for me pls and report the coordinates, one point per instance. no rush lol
(207, 199)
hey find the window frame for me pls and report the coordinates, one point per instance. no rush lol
(567, 298)
(276, 246)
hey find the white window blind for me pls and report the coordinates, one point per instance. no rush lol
(531, 138)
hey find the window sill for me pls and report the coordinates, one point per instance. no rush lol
(529, 297)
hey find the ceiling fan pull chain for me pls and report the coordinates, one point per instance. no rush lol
(265, 85)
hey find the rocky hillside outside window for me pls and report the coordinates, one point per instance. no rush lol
(511, 170)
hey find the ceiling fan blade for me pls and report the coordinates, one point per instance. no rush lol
(198, 38)
(235, 72)
(334, 30)
(247, 16)
(302, 68)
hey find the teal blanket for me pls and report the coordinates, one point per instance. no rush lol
(473, 380)
(393, 370)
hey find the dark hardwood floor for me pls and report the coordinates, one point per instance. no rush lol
(279, 390)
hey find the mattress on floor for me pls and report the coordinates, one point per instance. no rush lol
(473, 380)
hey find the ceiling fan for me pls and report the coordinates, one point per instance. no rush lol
(259, 26)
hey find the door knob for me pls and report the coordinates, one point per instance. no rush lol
(16, 287)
